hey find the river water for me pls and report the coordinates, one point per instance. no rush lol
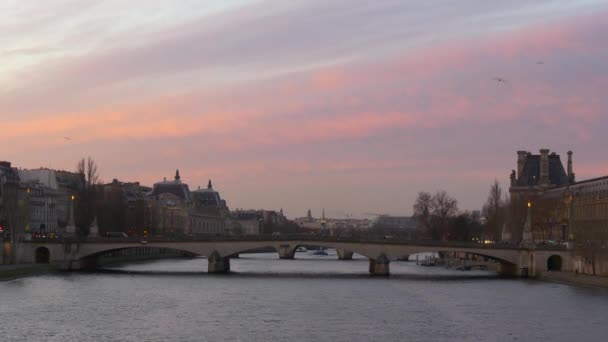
(311, 298)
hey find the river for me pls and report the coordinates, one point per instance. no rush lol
(310, 298)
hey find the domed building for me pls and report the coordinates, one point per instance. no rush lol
(169, 203)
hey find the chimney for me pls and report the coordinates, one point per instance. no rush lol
(521, 161)
(570, 173)
(544, 166)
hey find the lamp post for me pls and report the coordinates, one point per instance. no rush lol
(528, 239)
(71, 227)
(570, 237)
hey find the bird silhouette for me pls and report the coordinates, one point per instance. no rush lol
(540, 62)
(500, 80)
(67, 138)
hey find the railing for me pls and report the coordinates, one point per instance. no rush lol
(303, 238)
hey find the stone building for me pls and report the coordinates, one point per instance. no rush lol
(121, 207)
(169, 204)
(260, 221)
(536, 175)
(12, 223)
(250, 221)
(61, 185)
(42, 202)
(13, 211)
(560, 208)
(209, 214)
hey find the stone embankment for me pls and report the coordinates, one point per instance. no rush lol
(10, 272)
(575, 279)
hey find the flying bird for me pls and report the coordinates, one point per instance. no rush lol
(67, 138)
(500, 80)
(540, 62)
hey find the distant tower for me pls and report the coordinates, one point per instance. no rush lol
(324, 230)
(177, 177)
(209, 186)
(571, 178)
(309, 216)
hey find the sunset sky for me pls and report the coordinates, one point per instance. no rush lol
(349, 105)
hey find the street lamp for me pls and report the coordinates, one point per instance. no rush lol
(527, 234)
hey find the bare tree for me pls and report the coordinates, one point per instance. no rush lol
(86, 199)
(422, 211)
(88, 169)
(444, 207)
(434, 213)
(494, 211)
(92, 176)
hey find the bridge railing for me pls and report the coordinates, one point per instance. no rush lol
(304, 239)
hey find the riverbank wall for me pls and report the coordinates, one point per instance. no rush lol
(10, 272)
(575, 279)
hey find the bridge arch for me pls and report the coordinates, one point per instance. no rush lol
(42, 255)
(383, 251)
(104, 257)
(554, 263)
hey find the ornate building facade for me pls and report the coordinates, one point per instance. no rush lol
(209, 214)
(169, 203)
(561, 209)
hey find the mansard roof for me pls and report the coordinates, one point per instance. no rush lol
(530, 175)
(176, 188)
(207, 197)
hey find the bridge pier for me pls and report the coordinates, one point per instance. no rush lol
(80, 265)
(379, 266)
(344, 254)
(286, 252)
(218, 264)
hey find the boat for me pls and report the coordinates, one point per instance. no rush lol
(301, 249)
(320, 252)
(428, 261)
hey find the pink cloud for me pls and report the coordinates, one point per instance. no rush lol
(441, 97)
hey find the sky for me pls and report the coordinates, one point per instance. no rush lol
(349, 105)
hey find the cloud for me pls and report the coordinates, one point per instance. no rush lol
(418, 114)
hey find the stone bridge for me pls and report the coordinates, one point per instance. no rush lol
(83, 254)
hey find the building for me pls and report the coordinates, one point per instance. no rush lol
(396, 222)
(13, 211)
(10, 220)
(169, 203)
(547, 199)
(121, 207)
(42, 202)
(538, 178)
(58, 186)
(309, 222)
(260, 221)
(251, 222)
(209, 214)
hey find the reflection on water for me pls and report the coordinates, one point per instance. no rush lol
(311, 298)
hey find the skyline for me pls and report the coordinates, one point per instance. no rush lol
(281, 108)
